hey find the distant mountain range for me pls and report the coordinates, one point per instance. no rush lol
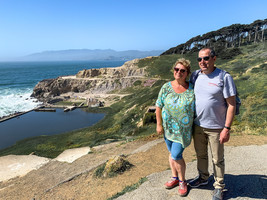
(87, 54)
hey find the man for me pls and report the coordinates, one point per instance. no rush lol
(215, 110)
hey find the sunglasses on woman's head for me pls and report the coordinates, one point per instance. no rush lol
(178, 69)
(206, 58)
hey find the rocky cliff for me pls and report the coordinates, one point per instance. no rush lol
(93, 81)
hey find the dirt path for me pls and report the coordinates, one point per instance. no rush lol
(57, 180)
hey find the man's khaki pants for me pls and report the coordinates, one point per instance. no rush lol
(203, 136)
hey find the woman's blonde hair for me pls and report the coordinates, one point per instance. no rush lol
(185, 63)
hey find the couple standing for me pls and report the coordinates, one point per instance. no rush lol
(205, 101)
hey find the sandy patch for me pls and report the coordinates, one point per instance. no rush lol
(19, 165)
(12, 166)
(70, 155)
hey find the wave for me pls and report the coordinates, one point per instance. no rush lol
(16, 100)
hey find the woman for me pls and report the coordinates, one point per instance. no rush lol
(174, 112)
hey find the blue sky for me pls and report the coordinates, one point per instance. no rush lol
(31, 26)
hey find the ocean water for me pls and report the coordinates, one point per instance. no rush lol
(17, 80)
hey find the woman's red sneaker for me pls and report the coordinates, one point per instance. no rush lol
(172, 183)
(182, 188)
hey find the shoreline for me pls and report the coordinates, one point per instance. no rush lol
(16, 114)
(71, 68)
(38, 108)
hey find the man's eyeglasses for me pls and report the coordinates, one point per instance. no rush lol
(206, 58)
(178, 69)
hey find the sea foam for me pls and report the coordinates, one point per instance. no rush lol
(16, 100)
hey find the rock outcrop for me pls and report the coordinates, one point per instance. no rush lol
(93, 81)
(129, 69)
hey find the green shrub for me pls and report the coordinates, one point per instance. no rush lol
(229, 53)
(138, 82)
(99, 171)
(149, 118)
(261, 68)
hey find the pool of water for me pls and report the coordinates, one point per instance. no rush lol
(45, 123)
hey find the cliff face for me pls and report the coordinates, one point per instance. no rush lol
(93, 81)
(129, 69)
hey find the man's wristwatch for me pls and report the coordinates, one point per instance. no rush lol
(227, 127)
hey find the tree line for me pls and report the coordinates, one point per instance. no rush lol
(232, 36)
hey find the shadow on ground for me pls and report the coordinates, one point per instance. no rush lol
(247, 185)
(238, 186)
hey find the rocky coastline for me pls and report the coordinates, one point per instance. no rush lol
(90, 84)
(94, 87)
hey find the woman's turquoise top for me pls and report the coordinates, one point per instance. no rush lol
(177, 113)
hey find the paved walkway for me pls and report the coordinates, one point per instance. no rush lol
(245, 178)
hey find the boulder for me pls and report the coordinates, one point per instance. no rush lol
(115, 165)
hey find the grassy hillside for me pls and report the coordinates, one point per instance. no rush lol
(249, 71)
(124, 118)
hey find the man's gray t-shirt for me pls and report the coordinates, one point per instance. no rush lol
(210, 93)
